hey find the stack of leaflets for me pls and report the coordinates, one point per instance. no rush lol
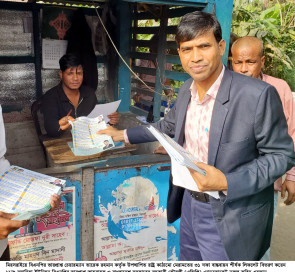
(175, 151)
(180, 160)
(86, 141)
(27, 192)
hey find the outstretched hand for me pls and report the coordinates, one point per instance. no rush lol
(117, 135)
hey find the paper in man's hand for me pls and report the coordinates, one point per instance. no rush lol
(85, 137)
(104, 109)
(180, 160)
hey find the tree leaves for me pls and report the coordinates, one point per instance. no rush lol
(273, 22)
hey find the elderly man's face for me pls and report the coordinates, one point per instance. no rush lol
(247, 60)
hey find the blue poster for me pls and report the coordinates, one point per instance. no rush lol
(130, 222)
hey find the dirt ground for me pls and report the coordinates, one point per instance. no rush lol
(283, 236)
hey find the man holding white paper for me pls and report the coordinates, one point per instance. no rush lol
(69, 99)
(236, 127)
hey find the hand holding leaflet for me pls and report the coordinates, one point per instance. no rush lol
(180, 160)
(70, 111)
(183, 178)
(175, 151)
(27, 192)
(86, 141)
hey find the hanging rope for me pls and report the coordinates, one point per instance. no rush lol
(171, 89)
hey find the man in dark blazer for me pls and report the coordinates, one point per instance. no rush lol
(248, 149)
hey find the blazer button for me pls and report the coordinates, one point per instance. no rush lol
(218, 219)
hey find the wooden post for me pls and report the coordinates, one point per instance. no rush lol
(161, 59)
(124, 79)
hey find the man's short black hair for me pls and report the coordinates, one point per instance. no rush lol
(197, 23)
(69, 60)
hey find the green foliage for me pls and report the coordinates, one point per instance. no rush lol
(175, 83)
(145, 23)
(273, 22)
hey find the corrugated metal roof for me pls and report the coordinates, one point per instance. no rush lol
(62, 2)
(72, 2)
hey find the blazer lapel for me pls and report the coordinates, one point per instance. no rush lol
(179, 132)
(218, 116)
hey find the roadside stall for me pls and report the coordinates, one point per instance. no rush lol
(114, 203)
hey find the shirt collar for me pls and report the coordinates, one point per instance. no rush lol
(212, 90)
